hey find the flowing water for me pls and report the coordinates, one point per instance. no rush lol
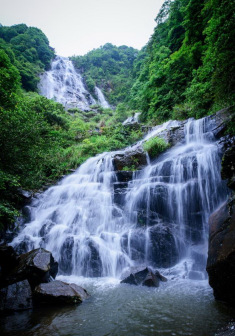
(98, 226)
(66, 86)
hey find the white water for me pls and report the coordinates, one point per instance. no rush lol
(65, 85)
(101, 99)
(95, 225)
(133, 119)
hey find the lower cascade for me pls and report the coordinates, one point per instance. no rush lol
(98, 223)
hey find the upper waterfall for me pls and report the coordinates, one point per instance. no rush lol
(96, 223)
(65, 85)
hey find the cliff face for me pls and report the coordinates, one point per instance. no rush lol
(221, 254)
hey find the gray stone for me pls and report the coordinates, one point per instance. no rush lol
(132, 159)
(59, 292)
(36, 266)
(17, 296)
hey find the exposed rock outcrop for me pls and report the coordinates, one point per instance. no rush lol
(133, 159)
(221, 254)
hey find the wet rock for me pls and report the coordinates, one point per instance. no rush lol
(66, 252)
(151, 280)
(145, 277)
(36, 266)
(221, 254)
(228, 166)
(222, 119)
(58, 292)
(124, 176)
(130, 280)
(132, 159)
(17, 296)
(175, 135)
(162, 247)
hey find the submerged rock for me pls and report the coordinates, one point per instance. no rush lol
(17, 296)
(145, 277)
(58, 292)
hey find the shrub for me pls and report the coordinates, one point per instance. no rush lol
(155, 146)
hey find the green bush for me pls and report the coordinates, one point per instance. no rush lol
(155, 146)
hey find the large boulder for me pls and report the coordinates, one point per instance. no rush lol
(58, 292)
(131, 159)
(17, 296)
(36, 266)
(221, 254)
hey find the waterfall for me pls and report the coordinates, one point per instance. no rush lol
(133, 119)
(101, 99)
(97, 224)
(65, 85)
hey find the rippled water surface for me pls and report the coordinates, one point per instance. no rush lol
(178, 307)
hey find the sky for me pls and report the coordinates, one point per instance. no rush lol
(75, 27)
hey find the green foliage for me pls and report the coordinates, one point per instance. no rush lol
(28, 49)
(155, 146)
(187, 67)
(110, 68)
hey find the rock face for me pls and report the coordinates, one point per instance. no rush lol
(58, 292)
(221, 254)
(8, 260)
(36, 266)
(145, 277)
(133, 159)
(17, 296)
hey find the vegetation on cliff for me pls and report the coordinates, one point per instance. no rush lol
(110, 68)
(186, 69)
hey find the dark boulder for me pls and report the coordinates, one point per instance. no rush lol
(130, 280)
(151, 280)
(228, 166)
(8, 259)
(145, 277)
(132, 159)
(17, 296)
(221, 254)
(58, 292)
(36, 266)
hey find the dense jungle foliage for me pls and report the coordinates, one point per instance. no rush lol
(110, 68)
(187, 68)
(28, 49)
